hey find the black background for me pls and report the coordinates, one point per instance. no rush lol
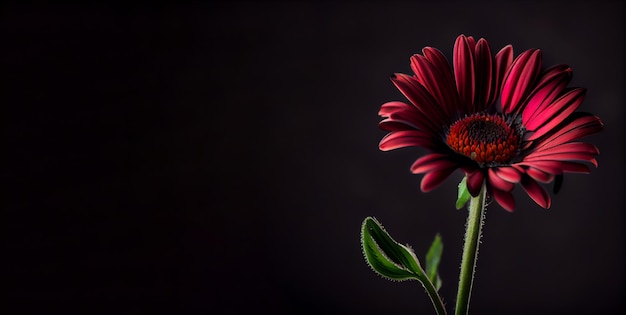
(220, 157)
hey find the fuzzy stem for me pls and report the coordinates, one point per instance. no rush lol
(475, 219)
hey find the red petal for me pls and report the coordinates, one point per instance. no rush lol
(572, 151)
(539, 175)
(442, 90)
(518, 168)
(558, 167)
(497, 182)
(552, 82)
(504, 59)
(509, 174)
(536, 192)
(440, 62)
(484, 75)
(391, 107)
(403, 116)
(416, 119)
(433, 179)
(505, 199)
(576, 128)
(566, 157)
(556, 112)
(471, 42)
(432, 162)
(408, 138)
(464, 71)
(396, 125)
(475, 182)
(519, 79)
(570, 147)
(420, 98)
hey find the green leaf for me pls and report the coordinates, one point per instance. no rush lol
(463, 195)
(432, 261)
(438, 282)
(397, 262)
(386, 256)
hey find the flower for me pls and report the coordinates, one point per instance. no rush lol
(502, 121)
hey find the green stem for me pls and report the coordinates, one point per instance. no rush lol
(434, 295)
(470, 251)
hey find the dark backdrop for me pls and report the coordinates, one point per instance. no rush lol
(220, 157)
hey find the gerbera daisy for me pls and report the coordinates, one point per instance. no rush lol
(502, 120)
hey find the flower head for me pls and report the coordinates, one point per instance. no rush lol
(502, 120)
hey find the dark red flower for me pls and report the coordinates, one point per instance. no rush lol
(502, 120)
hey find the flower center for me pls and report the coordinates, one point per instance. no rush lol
(484, 138)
